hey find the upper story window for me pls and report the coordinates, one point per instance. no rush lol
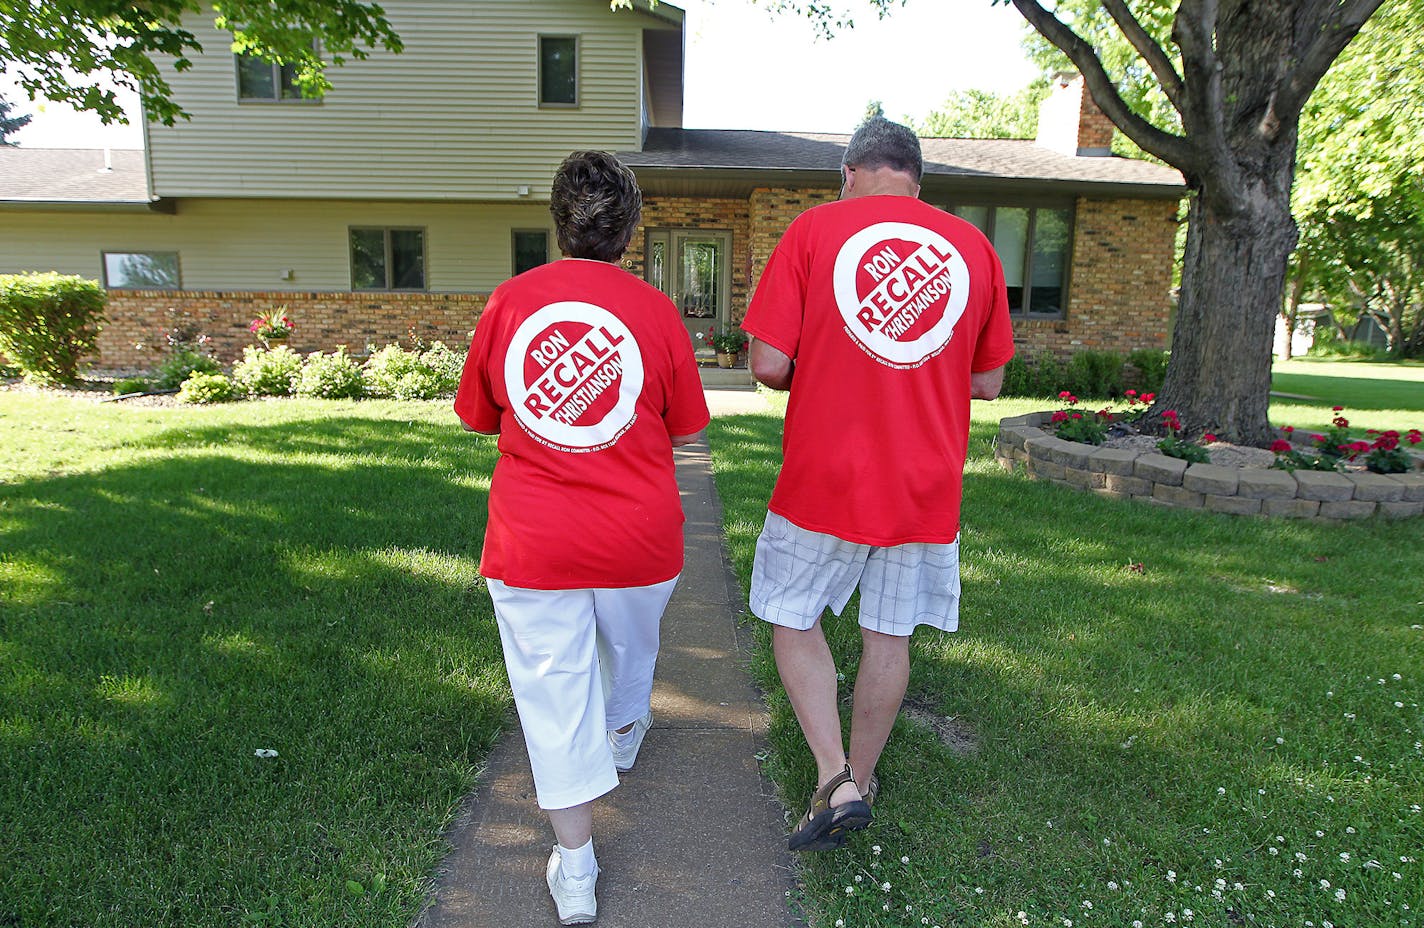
(259, 79)
(387, 259)
(141, 270)
(1034, 244)
(531, 249)
(558, 70)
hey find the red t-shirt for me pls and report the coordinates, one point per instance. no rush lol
(886, 304)
(585, 371)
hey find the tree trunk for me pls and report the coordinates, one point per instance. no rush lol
(1292, 313)
(1233, 277)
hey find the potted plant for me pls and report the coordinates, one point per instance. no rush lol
(272, 326)
(729, 343)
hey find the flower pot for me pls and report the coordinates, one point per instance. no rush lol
(726, 359)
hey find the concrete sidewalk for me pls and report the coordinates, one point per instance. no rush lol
(694, 835)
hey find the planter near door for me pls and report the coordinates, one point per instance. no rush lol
(726, 359)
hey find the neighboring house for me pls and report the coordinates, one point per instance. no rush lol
(420, 181)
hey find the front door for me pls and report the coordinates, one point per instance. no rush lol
(693, 267)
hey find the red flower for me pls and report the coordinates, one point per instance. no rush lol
(1064, 394)
(1148, 397)
(1059, 416)
(1287, 429)
(1413, 437)
(1340, 422)
(1207, 436)
(1131, 392)
(1280, 445)
(1169, 414)
(1318, 439)
(1077, 415)
(1358, 446)
(1336, 408)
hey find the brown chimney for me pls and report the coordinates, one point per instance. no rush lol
(1069, 122)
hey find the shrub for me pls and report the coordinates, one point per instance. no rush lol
(181, 363)
(1148, 370)
(408, 375)
(1095, 373)
(49, 323)
(268, 371)
(331, 376)
(1034, 375)
(132, 385)
(207, 388)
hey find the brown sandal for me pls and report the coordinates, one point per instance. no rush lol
(872, 789)
(824, 827)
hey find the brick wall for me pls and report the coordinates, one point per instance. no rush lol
(322, 320)
(1118, 291)
(772, 209)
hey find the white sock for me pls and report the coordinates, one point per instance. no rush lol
(579, 862)
(624, 737)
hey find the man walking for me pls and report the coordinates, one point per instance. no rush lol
(883, 316)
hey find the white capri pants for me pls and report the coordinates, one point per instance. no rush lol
(580, 664)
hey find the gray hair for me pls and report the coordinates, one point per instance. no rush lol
(880, 143)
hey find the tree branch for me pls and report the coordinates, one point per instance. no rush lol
(1171, 148)
(1341, 26)
(1204, 112)
(1147, 47)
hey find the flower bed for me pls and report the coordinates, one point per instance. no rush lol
(1027, 442)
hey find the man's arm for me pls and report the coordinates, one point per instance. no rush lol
(471, 428)
(771, 366)
(680, 440)
(985, 385)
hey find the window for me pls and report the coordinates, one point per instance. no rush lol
(259, 79)
(141, 270)
(1033, 244)
(531, 249)
(558, 70)
(387, 259)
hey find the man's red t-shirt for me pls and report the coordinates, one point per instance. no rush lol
(586, 372)
(886, 305)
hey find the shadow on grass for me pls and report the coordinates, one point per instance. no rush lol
(308, 588)
(1111, 699)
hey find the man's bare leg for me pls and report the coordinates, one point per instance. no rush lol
(879, 690)
(809, 674)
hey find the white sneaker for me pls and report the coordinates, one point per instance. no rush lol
(625, 746)
(573, 898)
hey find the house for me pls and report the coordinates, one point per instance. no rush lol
(399, 200)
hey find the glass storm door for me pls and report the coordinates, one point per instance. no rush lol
(693, 268)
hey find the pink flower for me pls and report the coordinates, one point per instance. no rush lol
(1280, 445)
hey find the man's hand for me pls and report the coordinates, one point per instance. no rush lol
(985, 385)
(771, 366)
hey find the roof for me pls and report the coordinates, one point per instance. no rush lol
(73, 175)
(964, 162)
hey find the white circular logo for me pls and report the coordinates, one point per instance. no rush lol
(573, 373)
(901, 290)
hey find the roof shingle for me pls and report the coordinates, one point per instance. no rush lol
(72, 175)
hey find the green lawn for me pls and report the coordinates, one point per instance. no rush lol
(180, 588)
(1216, 733)
(1379, 395)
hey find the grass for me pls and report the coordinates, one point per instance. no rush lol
(180, 588)
(1375, 394)
(1149, 741)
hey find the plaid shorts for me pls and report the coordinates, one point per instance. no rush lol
(798, 573)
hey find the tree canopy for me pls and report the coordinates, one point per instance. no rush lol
(8, 123)
(980, 114)
(77, 51)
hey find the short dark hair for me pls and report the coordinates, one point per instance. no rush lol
(596, 205)
(880, 143)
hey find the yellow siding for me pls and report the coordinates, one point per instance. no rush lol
(455, 115)
(246, 244)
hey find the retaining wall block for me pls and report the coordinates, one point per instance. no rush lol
(1084, 479)
(1018, 435)
(1112, 460)
(1323, 485)
(1071, 453)
(1266, 484)
(1413, 486)
(1134, 486)
(1009, 422)
(1401, 510)
(1160, 469)
(1347, 509)
(1380, 488)
(1045, 470)
(1041, 447)
(1235, 505)
(1212, 478)
(1178, 496)
(1290, 508)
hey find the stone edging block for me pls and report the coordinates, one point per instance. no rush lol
(1160, 480)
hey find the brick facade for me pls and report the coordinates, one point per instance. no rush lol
(1117, 300)
(323, 320)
